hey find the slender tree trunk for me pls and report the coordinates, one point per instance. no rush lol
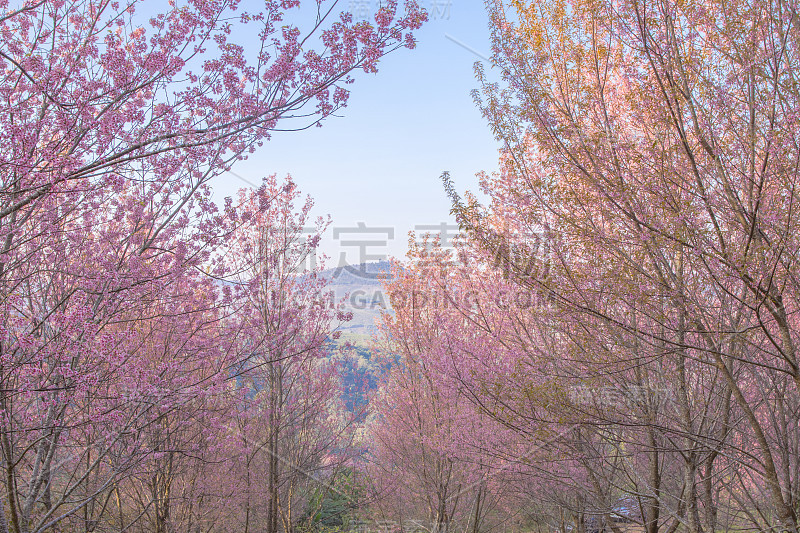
(476, 516)
(653, 503)
(10, 480)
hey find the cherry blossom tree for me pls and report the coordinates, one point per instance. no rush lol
(652, 147)
(436, 455)
(115, 119)
(293, 431)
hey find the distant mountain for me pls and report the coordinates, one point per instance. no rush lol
(361, 288)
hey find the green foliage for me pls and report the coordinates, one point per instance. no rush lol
(332, 507)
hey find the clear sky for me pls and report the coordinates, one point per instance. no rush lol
(379, 163)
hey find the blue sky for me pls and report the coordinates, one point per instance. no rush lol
(379, 164)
